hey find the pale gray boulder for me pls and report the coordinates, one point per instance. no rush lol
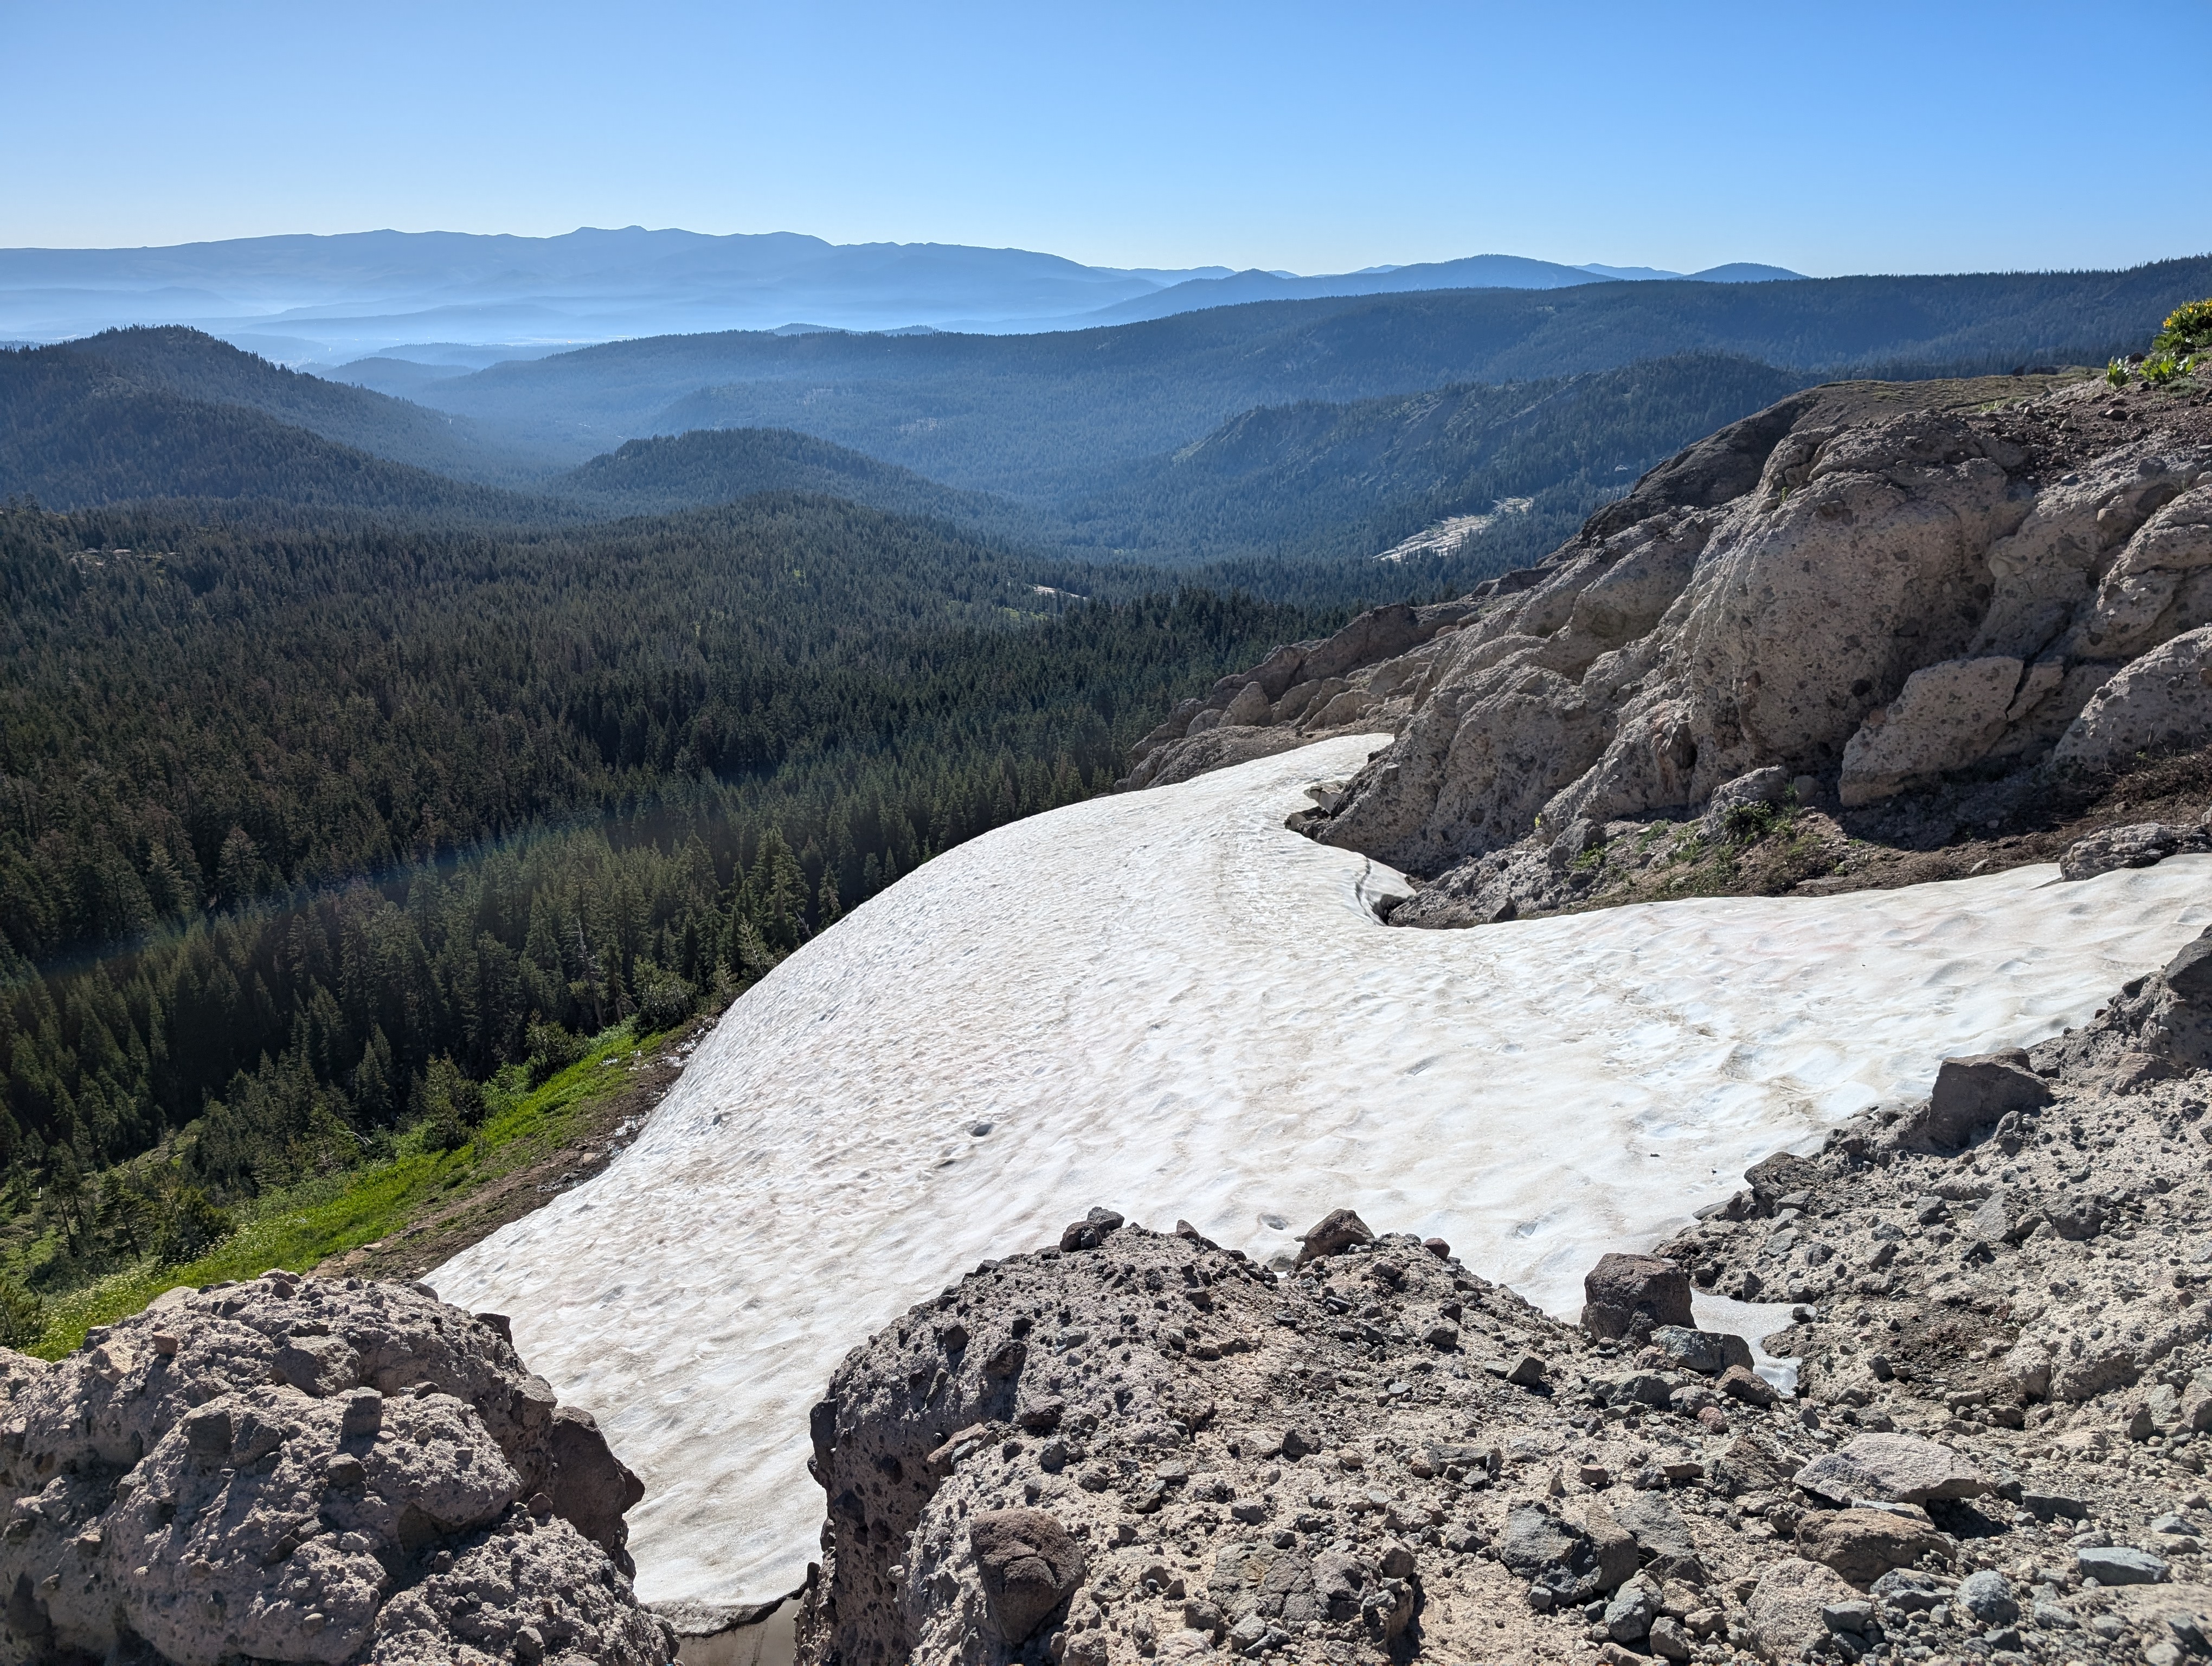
(1769, 787)
(2141, 844)
(2157, 703)
(276, 1469)
(1249, 705)
(1784, 1616)
(1946, 716)
(1893, 1468)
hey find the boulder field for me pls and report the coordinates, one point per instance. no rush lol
(1861, 592)
(324, 1471)
(1137, 1444)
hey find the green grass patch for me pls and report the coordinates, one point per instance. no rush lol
(306, 1225)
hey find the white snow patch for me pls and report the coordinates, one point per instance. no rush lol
(1166, 1002)
(1446, 537)
(1755, 1322)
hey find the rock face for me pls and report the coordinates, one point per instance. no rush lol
(310, 1470)
(1152, 1446)
(1884, 597)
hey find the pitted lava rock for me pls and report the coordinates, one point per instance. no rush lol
(1149, 1447)
(309, 1470)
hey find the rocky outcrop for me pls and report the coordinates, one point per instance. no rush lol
(1368, 675)
(1138, 1446)
(293, 1469)
(1884, 597)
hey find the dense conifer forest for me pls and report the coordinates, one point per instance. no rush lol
(308, 827)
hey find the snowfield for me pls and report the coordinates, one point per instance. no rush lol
(1167, 1003)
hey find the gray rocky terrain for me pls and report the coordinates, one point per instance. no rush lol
(309, 1470)
(1864, 593)
(1138, 1445)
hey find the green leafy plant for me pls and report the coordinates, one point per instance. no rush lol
(453, 1106)
(191, 1225)
(664, 1001)
(553, 1048)
(2116, 373)
(2188, 331)
(1748, 823)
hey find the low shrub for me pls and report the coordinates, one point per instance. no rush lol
(553, 1048)
(664, 1001)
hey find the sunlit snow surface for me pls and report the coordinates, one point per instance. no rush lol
(1165, 1002)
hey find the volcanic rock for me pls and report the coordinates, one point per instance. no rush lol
(310, 1470)
(1621, 1291)
(1863, 1545)
(1894, 1468)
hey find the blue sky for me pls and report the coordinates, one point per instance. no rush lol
(1827, 137)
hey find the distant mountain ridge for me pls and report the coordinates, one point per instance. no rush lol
(333, 300)
(1047, 417)
(1480, 271)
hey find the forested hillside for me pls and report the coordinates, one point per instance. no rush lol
(74, 432)
(1315, 482)
(719, 465)
(1047, 418)
(185, 362)
(303, 826)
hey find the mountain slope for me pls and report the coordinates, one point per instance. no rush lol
(718, 466)
(196, 366)
(74, 432)
(1050, 417)
(1316, 479)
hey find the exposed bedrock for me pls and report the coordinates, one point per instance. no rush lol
(1138, 1446)
(331, 1471)
(1835, 588)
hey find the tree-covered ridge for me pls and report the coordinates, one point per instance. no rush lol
(302, 827)
(1041, 417)
(76, 432)
(345, 699)
(175, 359)
(666, 472)
(1315, 481)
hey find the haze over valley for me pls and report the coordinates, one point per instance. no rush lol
(1113, 914)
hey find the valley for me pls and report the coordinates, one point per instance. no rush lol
(682, 848)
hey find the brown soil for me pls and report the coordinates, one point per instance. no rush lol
(599, 1130)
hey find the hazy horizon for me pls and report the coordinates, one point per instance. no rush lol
(1288, 138)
